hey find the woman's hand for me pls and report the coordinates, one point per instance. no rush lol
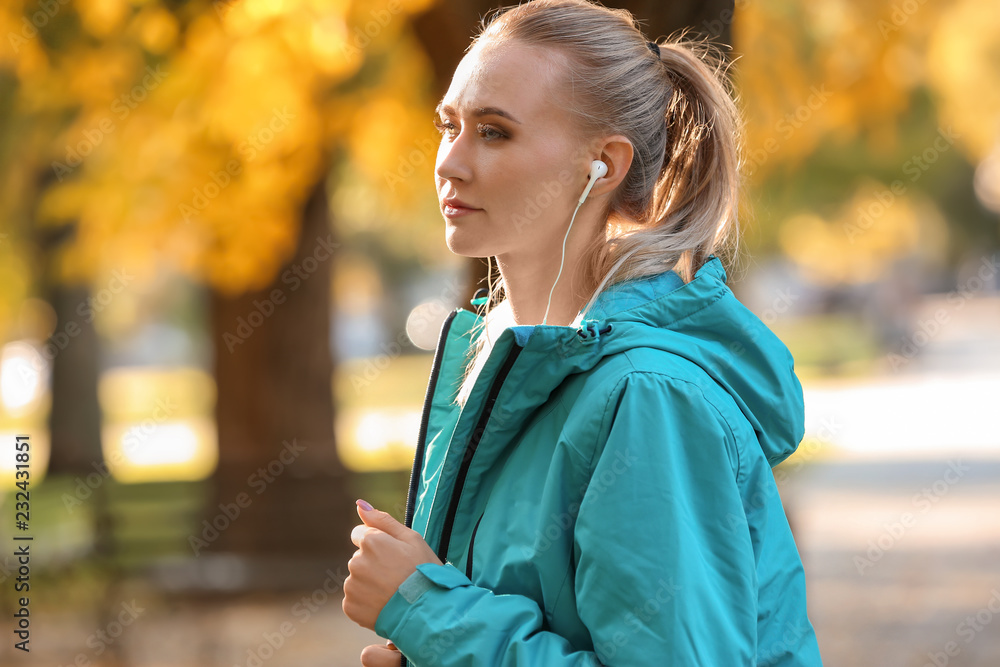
(377, 655)
(388, 552)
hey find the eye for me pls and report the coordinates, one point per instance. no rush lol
(488, 133)
(496, 134)
(443, 126)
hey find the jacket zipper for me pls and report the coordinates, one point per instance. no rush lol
(418, 456)
(463, 470)
(472, 540)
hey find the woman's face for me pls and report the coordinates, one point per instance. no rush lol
(510, 151)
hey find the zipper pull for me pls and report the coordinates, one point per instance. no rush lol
(479, 300)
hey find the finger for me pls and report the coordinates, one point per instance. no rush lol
(359, 532)
(382, 520)
(379, 656)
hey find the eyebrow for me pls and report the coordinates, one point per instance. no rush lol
(481, 111)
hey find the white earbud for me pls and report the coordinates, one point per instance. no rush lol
(598, 169)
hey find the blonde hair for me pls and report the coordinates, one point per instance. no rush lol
(680, 197)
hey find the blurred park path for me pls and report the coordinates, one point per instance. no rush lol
(899, 527)
(899, 555)
(902, 559)
(249, 631)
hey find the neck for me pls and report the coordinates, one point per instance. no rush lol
(530, 273)
(528, 282)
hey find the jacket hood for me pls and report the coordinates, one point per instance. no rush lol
(701, 321)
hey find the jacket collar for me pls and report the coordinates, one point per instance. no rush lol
(700, 321)
(618, 320)
(528, 363)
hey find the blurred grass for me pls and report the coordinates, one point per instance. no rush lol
(83, 545)
(139, 524)
(383, 381)
(826, 345)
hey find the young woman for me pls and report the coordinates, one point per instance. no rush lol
(592, 484)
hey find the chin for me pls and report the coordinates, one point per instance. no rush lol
(464, 244)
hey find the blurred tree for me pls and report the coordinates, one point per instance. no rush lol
(31, 255)
(202, 138)
(196, 137)
(73, 353)
(852, 111)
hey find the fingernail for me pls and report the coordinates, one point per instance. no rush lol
(363, 504)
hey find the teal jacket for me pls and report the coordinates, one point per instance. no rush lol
(605, 497)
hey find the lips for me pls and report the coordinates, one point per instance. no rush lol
(454, 202)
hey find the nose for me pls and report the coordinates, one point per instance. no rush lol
(453, 160)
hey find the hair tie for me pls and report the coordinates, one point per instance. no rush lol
(654, 48)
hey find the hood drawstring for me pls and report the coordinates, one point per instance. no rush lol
(591, 330)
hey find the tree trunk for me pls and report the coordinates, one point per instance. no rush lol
(73, 355)
(278, 464)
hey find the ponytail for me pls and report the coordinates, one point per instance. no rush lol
(678, 203)
(693, 210)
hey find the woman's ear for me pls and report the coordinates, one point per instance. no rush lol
(616, 152)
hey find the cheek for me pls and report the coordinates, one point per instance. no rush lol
(546, 196)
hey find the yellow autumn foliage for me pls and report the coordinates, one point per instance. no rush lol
(186, 136)
(868, 232)
(827, 71)
(963, 66)
(200, 161)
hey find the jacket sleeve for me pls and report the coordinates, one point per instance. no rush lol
(664, 566)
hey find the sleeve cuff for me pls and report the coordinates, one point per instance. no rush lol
(426, 577)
